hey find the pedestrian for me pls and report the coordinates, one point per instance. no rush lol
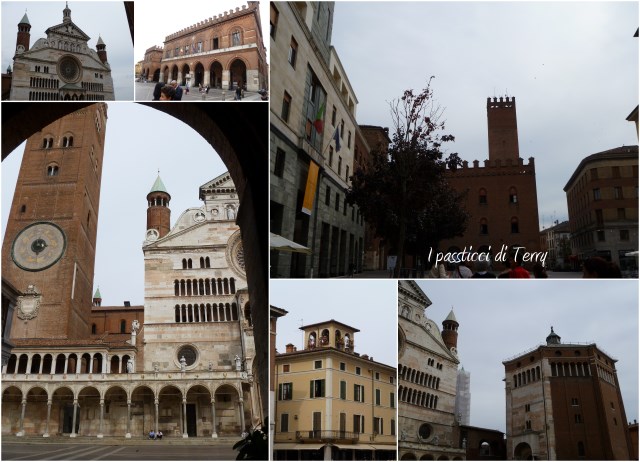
(178, 94)
(238, 93)
(167, 93)
(539, 272)
(460, 270)
(598, 267)
(159, 435)
(482, 270)
(152, 435)
(186, 89)
(207, 90)
(156, 91)
(517, 270)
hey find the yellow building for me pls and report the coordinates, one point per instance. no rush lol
(331, 402)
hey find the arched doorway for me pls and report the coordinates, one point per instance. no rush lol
(174, 72)
(198, 75)
(226, 129)
(186, 76)
(199, 412)
(11, 409)
(61, 421)
(156, 75)
(215, 75)
(522, 452)
(238, 74)
(89, 411)
(36, 407)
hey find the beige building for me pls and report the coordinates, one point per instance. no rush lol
(333, 403)
(62, 66)
(427, 370)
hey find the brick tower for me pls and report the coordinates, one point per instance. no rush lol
(50, 242)
(158, 211)
(450, 331)
(102, 50)
(503, 128)
(24, 37)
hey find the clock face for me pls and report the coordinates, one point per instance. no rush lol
(38, 246)
(68, 69)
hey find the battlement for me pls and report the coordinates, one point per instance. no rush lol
(500, 166)
(154, 48)
(222, 17)
(502, 102)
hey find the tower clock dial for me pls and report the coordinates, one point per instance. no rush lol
(38, 246)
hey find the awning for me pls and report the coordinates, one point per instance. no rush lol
(361, 447)
(285, 245)
(297, 446)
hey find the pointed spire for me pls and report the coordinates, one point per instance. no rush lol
(100, 42)
(25, 19)
(158, 186)
(97, 294)
(66, 14)
(452, 316)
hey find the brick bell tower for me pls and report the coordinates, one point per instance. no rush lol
(158, 211)
(503, 128)
(24, 37)
(450, 331)
(49, 246)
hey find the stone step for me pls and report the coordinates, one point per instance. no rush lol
(122, 441)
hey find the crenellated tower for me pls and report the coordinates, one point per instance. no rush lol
(158, 211)
(503, 128)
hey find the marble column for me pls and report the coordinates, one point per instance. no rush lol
(156, 404)
(73, 424)
(213, 419)
(128, 434)
(241, 405)
(21, 425)
(184, 418)
(101, 418)
(46, 425)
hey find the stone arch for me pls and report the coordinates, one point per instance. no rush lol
(237, 73)
(198, 74)
(408, 456)
(89, 414)
(226, 129)
(61, 418)
(426, 457)
(170, 410)
(199, 398)
(186, 70)
(215, 75)
(156, 75)
(11, 410)
(143, 418)
(115, 411)
(228, 418)
(522, 452)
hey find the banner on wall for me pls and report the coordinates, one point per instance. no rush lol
(310, 189)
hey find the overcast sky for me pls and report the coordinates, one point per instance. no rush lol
(572, 66)
(105, 19)
(139, 141)
(368, 305)
(500, 319)
(153, 24)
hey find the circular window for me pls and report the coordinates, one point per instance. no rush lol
(425, 431)
(189, 353)
(68, 69)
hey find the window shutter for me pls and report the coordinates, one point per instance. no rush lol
(311, 389)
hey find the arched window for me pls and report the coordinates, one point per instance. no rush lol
(202, 262)
(226, 286)
(232, 284)
(236, 39)
(484, 226)
(482, 196)
(123, 326)
(184, 263)
(513, 195)
(247, 314)
(189, 264)
(23, 208)
(177, 313)
(515, 226)
(234, 311)
(52, 170)
(93, 328)
(176, 287)
(207, 262)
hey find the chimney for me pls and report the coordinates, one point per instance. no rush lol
(290, 348)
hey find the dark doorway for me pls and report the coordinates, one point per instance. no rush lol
(67, 419)
(191, 420)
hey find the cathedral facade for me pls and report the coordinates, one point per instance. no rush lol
(181, 364)
(224, 51)
(61, 66)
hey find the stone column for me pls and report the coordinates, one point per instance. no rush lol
(207, 78)
(28, 370)
(179, 79)
(184, 418)
(105, 364)
(101, 418)
(41, 365)
(21, 426)
(78, 364)
(226, 80)
(91, 364)
(156, 403)
(128, 434)
(213, 418)
(46, 425)
(241, 405)
(73, 424)
(66, 363)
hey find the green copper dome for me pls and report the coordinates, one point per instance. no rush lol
(158, 186)
(97, 294)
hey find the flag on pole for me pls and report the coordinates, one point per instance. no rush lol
(319, 122)
(336, 138)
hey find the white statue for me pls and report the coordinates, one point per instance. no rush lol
(183, 364)
(231, 213)
(135, 326)
(238, 363)
(129, 366)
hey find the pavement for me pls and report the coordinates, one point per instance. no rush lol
(144, 92)
(117, 448)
